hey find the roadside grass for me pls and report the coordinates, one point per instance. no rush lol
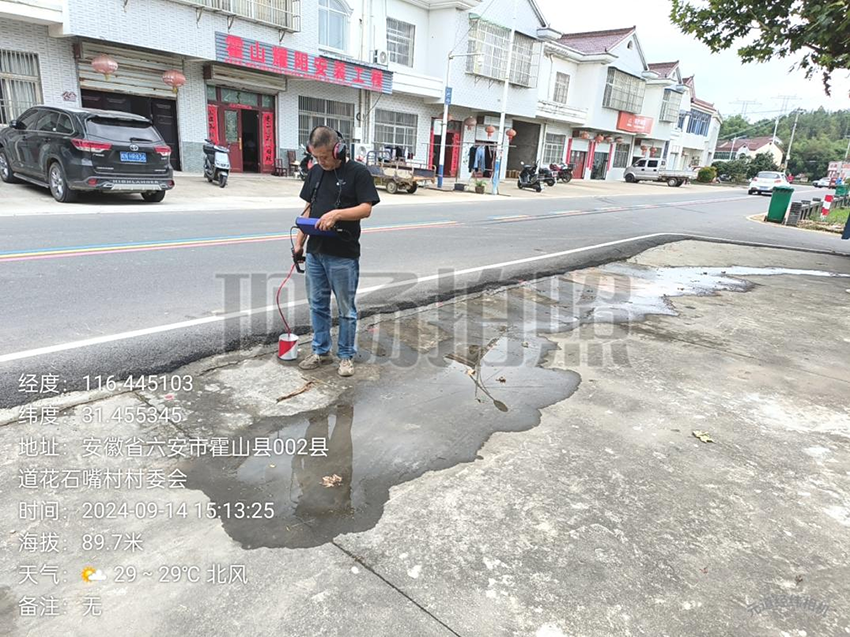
(834, 222)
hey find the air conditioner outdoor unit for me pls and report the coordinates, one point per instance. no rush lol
(380, 57)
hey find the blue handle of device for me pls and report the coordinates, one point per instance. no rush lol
(307, 225)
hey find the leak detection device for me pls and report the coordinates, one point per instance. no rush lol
(307, 225)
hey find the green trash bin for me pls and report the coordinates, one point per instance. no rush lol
(779, 203)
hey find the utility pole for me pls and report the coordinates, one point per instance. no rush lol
(732, 154)
(791, 141)
(500, 148)
(446, 102)
(847, 152)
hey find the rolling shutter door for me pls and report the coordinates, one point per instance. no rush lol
(139, 72)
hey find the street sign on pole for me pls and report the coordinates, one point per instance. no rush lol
(448, 100)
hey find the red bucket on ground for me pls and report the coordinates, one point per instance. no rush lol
(287, 347)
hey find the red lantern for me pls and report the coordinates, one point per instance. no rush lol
(653, 151)
(104, 64)
(469, 122)
(584, 134)
(644, 148)
(609, 139)
(490, 130)
(174, 79)
(511, 133)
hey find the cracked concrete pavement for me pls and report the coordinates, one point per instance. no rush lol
(521, 461)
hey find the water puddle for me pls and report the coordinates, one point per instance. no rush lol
(447, 379)
(419, 418)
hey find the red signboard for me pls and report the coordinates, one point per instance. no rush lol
(212, 122)
(233, 49)
(634, 123)
(268, 141)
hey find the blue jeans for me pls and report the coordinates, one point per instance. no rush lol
(326, 273)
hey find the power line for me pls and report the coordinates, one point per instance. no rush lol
(785, 99)
(744, 105)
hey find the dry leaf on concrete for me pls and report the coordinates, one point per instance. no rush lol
(703, 435)
(331, 481)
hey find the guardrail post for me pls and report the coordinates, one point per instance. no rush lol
(794, 214)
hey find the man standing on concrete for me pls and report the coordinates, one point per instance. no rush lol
(339, 193)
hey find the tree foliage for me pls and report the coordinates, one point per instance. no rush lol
(815, 32)
(734, 125)
(821, 137)
(706, 174)
(745, 168)
(762, 161)
(736, 169)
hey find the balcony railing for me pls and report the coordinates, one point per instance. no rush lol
(283, 14)
(556, 110)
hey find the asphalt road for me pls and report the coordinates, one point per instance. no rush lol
(87, 295)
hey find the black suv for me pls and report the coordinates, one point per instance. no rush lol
(73, 149)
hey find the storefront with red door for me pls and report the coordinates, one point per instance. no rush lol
(454, 146)
(316, 90)
(578, 149)
(244, 121)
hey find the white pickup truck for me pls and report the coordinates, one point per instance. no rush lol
(656, 170)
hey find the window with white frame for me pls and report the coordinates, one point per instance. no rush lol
(553, 148)
(562, 88)
(20, 84)
(396, 129)
(621, 156)
(313, 112)
(623, 92)
(400, 38)
(523, 60)
(490, 44)
(670, 106)
(284, 14)
(333, 24)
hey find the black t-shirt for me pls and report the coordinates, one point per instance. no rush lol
(346, 187)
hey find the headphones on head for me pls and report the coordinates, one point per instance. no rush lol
(340, 150)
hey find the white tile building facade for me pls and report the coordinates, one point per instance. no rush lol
(559, 100)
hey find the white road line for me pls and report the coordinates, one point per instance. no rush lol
(159, 329)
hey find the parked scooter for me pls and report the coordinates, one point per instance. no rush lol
(216, 163)
(528, 177)
(306, 164)
(563, 172)
(546, 176)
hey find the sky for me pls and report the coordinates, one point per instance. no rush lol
(720, 78)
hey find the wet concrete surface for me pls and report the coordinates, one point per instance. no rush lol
(431, 409)
(517, 462)
(437, 385)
